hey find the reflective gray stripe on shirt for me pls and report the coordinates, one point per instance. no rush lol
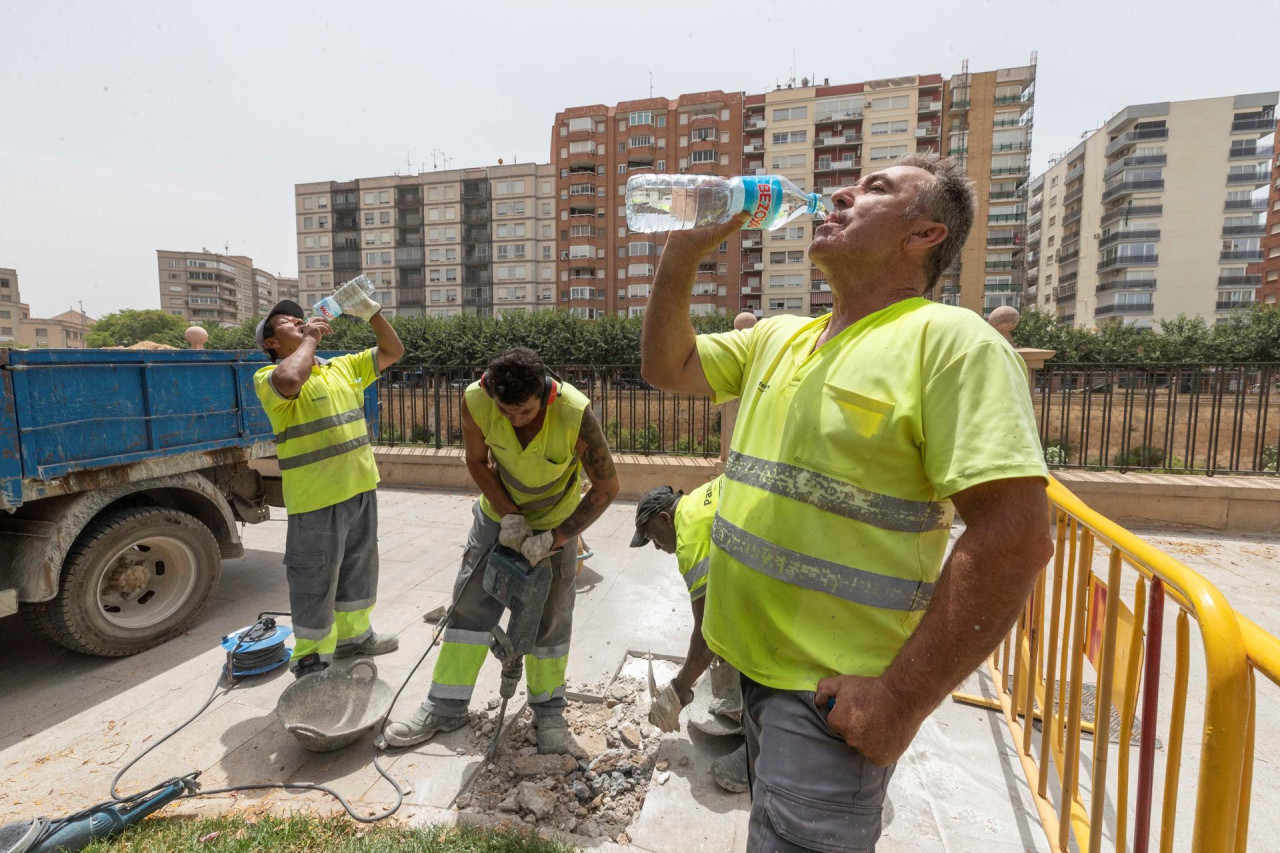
(510, 479)
(319, 425)
(323, 453)
(551, 500)
(837, 496)
(857, 585)
(697, 573)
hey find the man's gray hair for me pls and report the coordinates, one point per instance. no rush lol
(949, 199)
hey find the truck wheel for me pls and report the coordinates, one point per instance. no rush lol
(133, 579)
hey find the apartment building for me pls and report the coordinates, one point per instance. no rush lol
(12, 308)
(475, 241)
(603, 268)
(61, 331)
(1160, 212)
(208, 287)
(822, 137)
(1267, 270)
(287, 288)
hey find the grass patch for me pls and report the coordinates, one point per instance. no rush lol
(238, 834)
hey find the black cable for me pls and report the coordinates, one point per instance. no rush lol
(282, 786)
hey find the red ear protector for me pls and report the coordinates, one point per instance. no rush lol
(550, 388)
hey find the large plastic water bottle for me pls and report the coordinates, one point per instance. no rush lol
(354, 298)
(678, 202)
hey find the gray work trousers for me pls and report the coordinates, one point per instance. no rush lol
(809, 789)
(331, 560)
(475, 613)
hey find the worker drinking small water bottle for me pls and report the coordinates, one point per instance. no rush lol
(354, 298)
(678, 202)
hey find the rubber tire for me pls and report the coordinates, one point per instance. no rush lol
(67, 621)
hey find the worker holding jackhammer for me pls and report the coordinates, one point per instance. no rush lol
(680, 524)
(528, 440)
(316, 409)
(860, 433)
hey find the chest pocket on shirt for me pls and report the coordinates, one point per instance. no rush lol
(843, 435)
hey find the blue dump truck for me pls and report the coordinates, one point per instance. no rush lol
(123, 477)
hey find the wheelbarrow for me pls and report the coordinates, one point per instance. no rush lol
(330, 709)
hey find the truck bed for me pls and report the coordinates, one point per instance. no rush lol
(75, 416)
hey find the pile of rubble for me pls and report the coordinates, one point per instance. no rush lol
(595, 791)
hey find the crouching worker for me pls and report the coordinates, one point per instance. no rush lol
(541, 435)
(316, 409)
(681, 524)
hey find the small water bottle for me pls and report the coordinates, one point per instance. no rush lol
(355, 297)
(679, 202)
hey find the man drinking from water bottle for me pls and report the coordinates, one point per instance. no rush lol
(316, 409)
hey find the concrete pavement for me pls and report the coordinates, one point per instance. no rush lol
(68, 722)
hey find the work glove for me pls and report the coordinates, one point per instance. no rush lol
(537, 548)
(515, 529)
(364, 308)
(665, 710)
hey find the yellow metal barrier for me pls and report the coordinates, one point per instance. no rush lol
(1074, 618)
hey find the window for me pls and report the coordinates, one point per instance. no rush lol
(384, 217)
(888, 152)
(795, 256)
(892, 102)
(787, 137)
(640, 141)
(702, 157)
(790, 114)
(635, 249)
(580, 124)
(838, 108)
(789, 161)
(794, 279)
(880, 128)
(701, 134)
(584, 146)
(640, 117)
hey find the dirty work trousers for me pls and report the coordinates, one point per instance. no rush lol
(809, 789)
(475, 613)
(331, 562)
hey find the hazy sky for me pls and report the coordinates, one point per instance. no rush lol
(127, 127)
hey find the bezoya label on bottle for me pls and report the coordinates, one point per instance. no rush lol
(763, 200)
(328, 308)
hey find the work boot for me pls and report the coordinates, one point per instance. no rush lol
(374, 644)
(730, 771)
(553, 735)
(421, 726)
(307, 665)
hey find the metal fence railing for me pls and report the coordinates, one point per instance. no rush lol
(1193, 418)
(422, 405)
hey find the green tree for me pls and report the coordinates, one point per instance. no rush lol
(127, 327)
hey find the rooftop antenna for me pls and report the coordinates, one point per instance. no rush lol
(650, 83)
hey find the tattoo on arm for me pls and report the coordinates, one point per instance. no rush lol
(597, 461)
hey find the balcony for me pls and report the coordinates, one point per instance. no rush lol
(1125, 188)
(476, 217)
(1239, 281)
(1119, 236)
(1123, 261)
(1261, 123)
(1005, 100)
(1131, 308)
(1034, 219)
(1033, 238)
(409, 256)
(1233, 304)
(1126, 284)
(754, 124)
(1256, 177)
(341, 204)
(1010, 170)
(1257, 229)
(1005, 147)
(1241, 255)
(408, 198)
(1002, 266)
(1073, 216)
(837, 139)
(1068, 278)
(1246, 204)
(837, 115)
(1132, 211)
(1075, 173)
(825, 165)
(927, 130)
(1073, 196)
(1064, 291)
(753, 148)
(1143, 160)
(1124, 140)
(929, 107)
(959, 105)
(411, 220)
(1254, 150)
(996, 219)
(1003, 241)
(1066, 256)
